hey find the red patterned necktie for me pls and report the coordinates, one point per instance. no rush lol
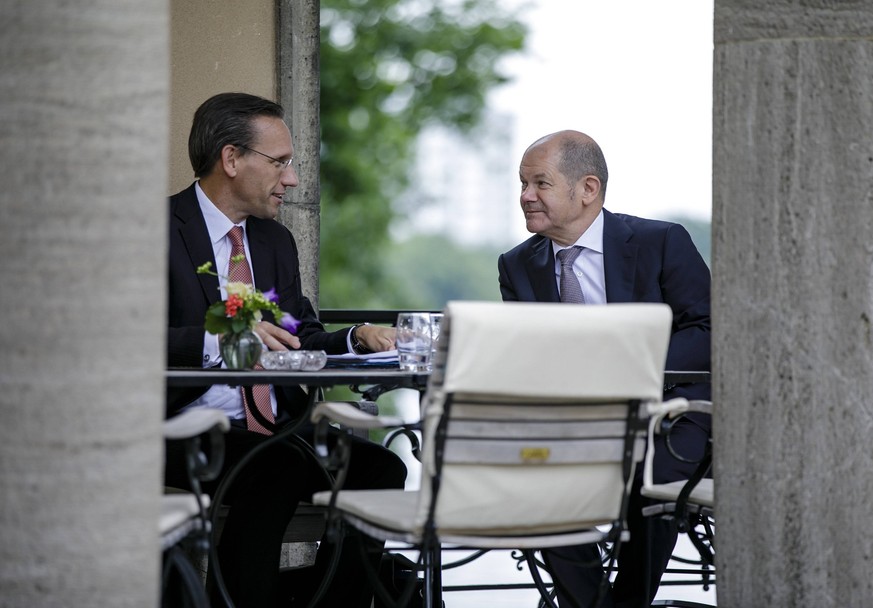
(240, 272)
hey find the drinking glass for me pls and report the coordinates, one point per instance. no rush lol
(436, 319)
(413, 341)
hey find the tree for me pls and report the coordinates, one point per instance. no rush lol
(388, 68)
(462, 273)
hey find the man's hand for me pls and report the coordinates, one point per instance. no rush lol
(275, 337)
(376, 337)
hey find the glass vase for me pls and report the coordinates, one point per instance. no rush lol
(241, 350)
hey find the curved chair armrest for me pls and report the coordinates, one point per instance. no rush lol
(657, 412)
(193, 422)
(690, 501)
(348, 415)
(190, 426)
(700, 405)
(674, 408)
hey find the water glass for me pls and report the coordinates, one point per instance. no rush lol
(414, 341)
(436, 319)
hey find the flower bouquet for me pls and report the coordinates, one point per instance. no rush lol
(234, 319)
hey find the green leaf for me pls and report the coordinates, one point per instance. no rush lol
(237, 324)
(216, 321)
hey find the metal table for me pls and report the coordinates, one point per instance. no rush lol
(332, 376)
(329, 376)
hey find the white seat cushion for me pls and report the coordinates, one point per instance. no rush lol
(390, 509)
(178, 510)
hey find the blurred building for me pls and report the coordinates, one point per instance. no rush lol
(464, 186)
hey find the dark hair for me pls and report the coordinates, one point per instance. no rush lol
(225, 119)
(581, 157)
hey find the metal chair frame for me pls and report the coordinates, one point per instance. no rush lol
(430, 540)
(689, 505)
(185, 524)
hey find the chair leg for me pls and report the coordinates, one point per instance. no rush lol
(533, 568)
(438, 577)
(428, 578)
(182, 584)
(433, 577)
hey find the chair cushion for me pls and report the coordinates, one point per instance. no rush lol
(390, 509)
(178, 510)
(399, 511)
(493, 345)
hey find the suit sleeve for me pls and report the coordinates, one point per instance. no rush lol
(507, 291)
(291, 299)
(685, 286)
(185, 346)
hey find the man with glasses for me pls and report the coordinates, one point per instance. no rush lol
(241, 152)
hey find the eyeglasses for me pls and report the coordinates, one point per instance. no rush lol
(282, 165)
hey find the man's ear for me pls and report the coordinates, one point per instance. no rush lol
(590, 189)
(229, 160)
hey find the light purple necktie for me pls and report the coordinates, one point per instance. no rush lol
(571, 291)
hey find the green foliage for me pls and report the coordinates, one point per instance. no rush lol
(388, 68)
(436, 270)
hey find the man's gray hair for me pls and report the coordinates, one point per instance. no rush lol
(581, 156)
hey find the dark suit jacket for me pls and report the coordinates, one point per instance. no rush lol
(275, 264)
(643, 261)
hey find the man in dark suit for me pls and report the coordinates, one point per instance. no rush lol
(621, 258)
(241, 151)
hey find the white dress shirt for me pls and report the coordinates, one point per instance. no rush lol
(589, 264)
(222, 397)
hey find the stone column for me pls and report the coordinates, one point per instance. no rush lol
(793, 302)
(298, 78)
(83, 104)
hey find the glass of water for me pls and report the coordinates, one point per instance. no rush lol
(414, 341)
(436, 320)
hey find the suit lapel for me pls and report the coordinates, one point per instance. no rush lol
(540, 267)
(619, 259)
(263, 264)
(195, 236)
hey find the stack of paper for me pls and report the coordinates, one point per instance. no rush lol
(388, 356)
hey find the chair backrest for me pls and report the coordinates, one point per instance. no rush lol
(526, 413)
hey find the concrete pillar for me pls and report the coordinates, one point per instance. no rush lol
(298, 80)
(793, 302)
(84, 109)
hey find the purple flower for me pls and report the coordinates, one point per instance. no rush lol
(289, 323)
(272, 296)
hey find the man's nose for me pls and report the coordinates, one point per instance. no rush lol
(528, 195)
(289, 177)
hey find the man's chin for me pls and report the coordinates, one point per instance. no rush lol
(533, 227)
(270, 213)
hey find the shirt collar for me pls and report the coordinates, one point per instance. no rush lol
(591, 239)
(217, 223)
